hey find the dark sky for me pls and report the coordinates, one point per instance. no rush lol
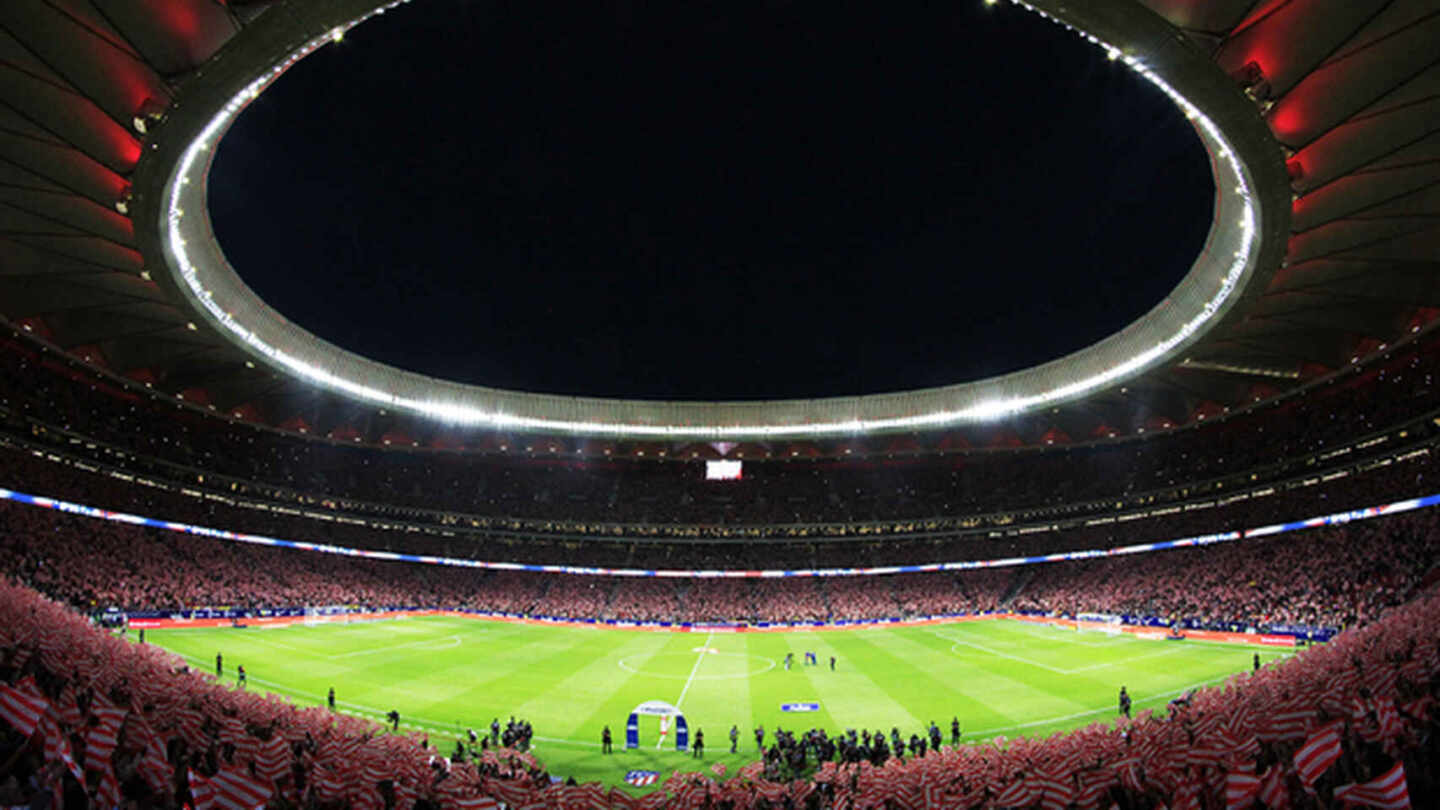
(730, 200)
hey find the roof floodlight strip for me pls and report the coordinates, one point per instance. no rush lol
(1205, 293)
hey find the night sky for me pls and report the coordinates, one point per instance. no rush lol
(711, 201)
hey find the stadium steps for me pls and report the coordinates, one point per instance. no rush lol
(1429, 580)
(1017, 585)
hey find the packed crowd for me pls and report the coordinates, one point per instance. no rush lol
(609, 497)
(1303, 497)
(1337, 577)
(1369, 566)
(89, 717)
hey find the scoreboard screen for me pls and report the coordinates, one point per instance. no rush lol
(722, 470)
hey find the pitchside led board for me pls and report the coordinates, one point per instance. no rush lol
(722, 470)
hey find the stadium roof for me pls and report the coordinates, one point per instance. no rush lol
(104, 107)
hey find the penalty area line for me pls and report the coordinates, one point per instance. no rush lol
(997, 653)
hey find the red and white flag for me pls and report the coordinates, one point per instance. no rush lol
(68, 708)
(22, 709)
(107, 795)
(328, 785)
(57, 746)
(1387, 717)
(1187, 796)
(272, 760)
(1093, 788)
(102, 737)
(1273, 793)
(476, 803)
(1320, 751)
(1288, 725)
(1017, 794)
(228, 790)
(1241, 790)
(153, 766)
(1128, 769)
(1057, 790)
(1388, 791)
(1418, 710)
(589, 795)
(623, 800)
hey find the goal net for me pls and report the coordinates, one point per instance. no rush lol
(1106, 623)
(326, 614)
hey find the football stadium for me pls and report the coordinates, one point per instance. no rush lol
(1189, 561)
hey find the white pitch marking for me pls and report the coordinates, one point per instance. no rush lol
(1174, 648)
(693, 670)
(769, 665)
(1170, 649)
(1051, 632)
(455, 642)
(270, 642)
(1077, 715)
(688, 681)
(997, 653)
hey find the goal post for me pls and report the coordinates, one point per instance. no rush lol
(1107, 623)
(326, 614)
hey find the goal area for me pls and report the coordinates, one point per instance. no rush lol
(1107, 623)
(326, 614)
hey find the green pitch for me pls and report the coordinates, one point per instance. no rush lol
(444, 675)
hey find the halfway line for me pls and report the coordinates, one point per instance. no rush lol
(704, 650)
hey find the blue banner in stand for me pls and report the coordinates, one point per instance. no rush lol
(1201, 540)
(799, 707)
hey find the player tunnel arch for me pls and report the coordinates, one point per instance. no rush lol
(663, 710)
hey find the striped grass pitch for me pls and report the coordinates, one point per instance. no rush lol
(445, 675)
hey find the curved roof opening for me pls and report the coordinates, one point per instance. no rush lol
(734, 202)
(1224, 119)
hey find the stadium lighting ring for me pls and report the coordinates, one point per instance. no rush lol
(1129, 34)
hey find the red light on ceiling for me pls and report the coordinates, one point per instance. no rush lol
(1287, 120)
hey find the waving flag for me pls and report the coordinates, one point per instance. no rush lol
(1320, 751)
(328, 785)
(1388, 791)
(1241, 790)
(272, 760)
(227, 790)
(102, 737)
(68, 708)
(623, 800)
(1017, 794)
(21, 709)
(1093, 788)
(1187, 796)
(1387, 717)
(1058, 790)
(107, 795)
(476, 803)
(57, 746)
(1272, 789)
